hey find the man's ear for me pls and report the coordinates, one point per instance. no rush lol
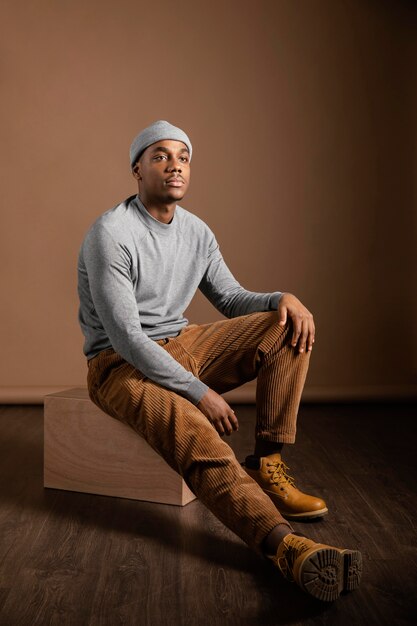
(136, 171)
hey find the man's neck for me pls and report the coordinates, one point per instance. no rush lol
(163, 213)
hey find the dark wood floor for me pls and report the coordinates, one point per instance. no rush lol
(77, 559)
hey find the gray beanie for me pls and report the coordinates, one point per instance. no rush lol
(157, 132)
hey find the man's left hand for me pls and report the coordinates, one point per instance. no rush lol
(302, 320)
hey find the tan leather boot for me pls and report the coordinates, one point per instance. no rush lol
(320, 570)
(273, 478)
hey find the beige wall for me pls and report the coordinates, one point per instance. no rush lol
(303, 118)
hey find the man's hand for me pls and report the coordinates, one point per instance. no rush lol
(218, 412)
(302, 321)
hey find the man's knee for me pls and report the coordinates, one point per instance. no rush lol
(275, 335)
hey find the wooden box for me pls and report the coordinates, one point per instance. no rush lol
(87, 450)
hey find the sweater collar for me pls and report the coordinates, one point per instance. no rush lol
(151, 222)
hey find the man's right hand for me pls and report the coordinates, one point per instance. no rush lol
(218, 412)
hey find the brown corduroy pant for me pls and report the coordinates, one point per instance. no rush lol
(224, 355)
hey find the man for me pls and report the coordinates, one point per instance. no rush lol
(139, 266)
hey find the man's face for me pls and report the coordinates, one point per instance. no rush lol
(163, 172)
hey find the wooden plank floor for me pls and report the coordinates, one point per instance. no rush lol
(77, 559)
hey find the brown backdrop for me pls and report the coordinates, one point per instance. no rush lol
(303, 121)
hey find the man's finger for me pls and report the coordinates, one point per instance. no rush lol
(233, 420)
(303, 337)
(220, 429)
(312, 336)
(227, 425)
(296, 330)
(282, 315)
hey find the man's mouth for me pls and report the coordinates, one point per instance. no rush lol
(174, 182)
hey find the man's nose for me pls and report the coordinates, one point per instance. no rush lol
(174, 166)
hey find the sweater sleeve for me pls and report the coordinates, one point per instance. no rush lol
(108, 268)
(225, 293)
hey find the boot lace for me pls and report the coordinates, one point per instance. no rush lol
(293, 547)
(279, 473)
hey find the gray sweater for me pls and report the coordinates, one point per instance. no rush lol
(137, 275)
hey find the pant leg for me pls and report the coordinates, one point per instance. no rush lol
(183, 436)
(231, 352)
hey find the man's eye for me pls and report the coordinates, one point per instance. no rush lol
(185, 159)
(160, 156)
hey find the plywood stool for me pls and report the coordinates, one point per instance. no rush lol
(87, 450)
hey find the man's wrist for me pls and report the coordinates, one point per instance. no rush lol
(196, 391)
(274, 300)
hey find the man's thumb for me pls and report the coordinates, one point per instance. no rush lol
(283, 316)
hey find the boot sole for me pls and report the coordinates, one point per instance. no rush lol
(306, 515)
(325, 573)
